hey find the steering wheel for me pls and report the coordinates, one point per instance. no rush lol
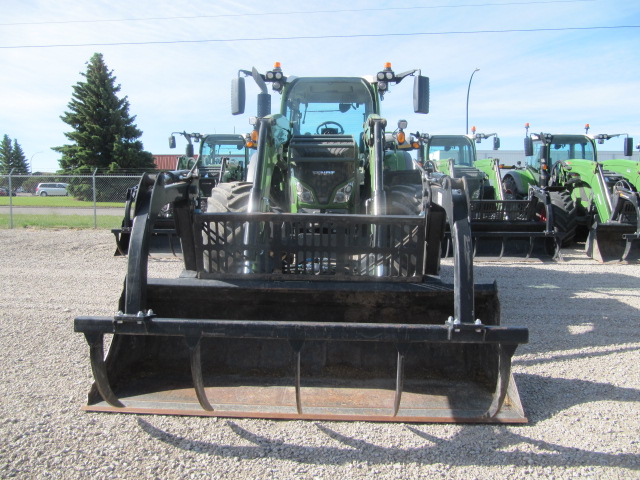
(326, 124)
(557, 176)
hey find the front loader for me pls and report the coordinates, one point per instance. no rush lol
(500, 224)
(309, 296)
(597, 200)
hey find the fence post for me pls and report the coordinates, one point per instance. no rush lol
(10, 200)
(95, 212)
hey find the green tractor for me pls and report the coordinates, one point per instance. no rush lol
(221, 158)
(311, 290)
(316, 156)
(597, 200)
(500, 224)
(455, 155)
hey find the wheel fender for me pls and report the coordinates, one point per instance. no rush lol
(521, 183)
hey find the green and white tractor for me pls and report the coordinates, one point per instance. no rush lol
(600, 199)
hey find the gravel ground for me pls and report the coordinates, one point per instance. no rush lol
(579, 380)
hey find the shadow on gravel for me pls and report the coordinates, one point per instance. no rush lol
(478, 445)
(544, 397)
(569, 310)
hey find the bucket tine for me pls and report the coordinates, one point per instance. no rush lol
(503, 246)
(402, 352)
(530, 251)
(506, 351)
(627, 249)
(196, 372)
(558, 253)
(297, 347)
(96, 349)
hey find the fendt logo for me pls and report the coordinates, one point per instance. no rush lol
(323, 172)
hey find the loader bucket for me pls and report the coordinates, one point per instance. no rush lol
(298, 316)
(613, 242)
(358, 353)
(512, 228)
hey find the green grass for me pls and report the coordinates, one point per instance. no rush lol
(60, 221)
(34, 201)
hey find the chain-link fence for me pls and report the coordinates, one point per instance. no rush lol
(88, 195)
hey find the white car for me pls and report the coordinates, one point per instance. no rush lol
(45, 189)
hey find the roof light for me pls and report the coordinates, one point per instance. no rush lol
(387, 65)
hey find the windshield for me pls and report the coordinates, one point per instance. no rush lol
(212, 152)
(567, 147)
(328, 105)
(457, 148)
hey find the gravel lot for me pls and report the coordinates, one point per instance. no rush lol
(579, 380)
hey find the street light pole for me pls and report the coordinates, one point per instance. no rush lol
(31, 162)
(468, 89)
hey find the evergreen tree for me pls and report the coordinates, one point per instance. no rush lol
(6, 151)
(104, 135)
(18, 160)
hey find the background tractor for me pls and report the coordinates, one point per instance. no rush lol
(221, 158)
(596, 200)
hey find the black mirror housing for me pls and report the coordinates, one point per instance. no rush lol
(421, 94)
(264, 105)
(496, 143)
(528, 147)
(238, 95)
(628, 146)
(189, 150)
(172, 142)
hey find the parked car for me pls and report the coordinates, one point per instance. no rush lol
(4, 192)
(45, 189)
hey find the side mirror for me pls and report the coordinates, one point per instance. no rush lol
(189, 150)
(528, 147)
(264, 105)
(172, 142)
(421, 94)
(496, 143)
(628, 146)
(238, 94)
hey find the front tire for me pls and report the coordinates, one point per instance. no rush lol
(227, 197)
(564, 216)
(404, 200)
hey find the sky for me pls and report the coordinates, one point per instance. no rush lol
(556, 64)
